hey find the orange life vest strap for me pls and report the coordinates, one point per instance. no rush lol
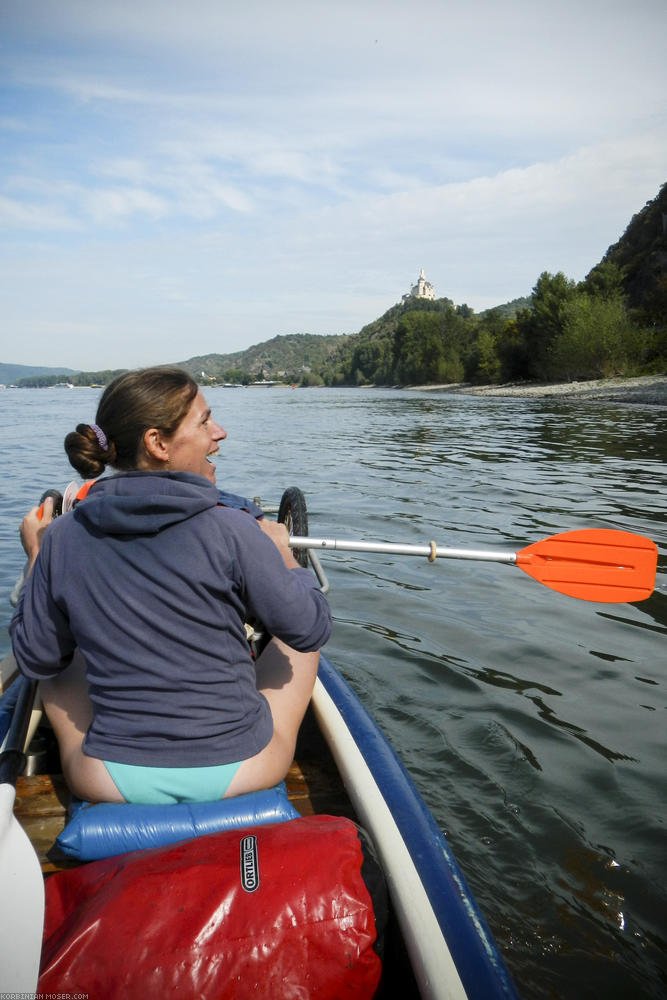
(83, 492)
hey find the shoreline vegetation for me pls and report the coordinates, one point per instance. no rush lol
(645, 390)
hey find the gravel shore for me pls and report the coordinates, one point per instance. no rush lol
(645, 390)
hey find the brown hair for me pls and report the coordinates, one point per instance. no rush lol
(133, 402)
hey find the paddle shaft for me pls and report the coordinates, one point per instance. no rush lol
(390, 548)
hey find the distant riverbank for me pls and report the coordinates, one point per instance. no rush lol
(645, 390)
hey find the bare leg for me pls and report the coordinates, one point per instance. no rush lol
(286, 678)
(70, 712)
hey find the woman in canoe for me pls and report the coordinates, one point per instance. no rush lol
(146, 586)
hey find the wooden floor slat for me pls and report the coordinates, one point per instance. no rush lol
(41, 809)
(41, 795)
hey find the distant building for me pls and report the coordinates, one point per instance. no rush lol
(422, 290)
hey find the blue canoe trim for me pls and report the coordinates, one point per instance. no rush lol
(8, 703)
(478, 961)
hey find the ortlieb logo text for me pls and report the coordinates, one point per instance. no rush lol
(249, 864)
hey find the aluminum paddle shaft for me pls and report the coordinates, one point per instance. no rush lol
(431, 551)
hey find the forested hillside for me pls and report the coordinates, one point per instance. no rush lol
(641, 257)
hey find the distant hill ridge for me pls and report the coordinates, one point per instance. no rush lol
(12, 373)
(287, 357)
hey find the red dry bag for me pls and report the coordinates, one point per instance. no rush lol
(279, 911)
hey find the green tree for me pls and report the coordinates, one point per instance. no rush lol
(598, 339)
(513, 348)
(488, 363)
(427, 347)
(605, 281)
(481, 357)
(551, 295)
(369, 362)
(236, 376)
(419, 348)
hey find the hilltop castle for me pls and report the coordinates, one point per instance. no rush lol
(422, 290)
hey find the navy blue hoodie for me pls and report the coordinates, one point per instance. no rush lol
(152, 580)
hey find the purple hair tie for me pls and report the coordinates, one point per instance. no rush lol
(101, 437)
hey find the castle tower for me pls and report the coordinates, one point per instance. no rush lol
(422, 290)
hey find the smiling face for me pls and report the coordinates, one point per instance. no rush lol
(196, 438)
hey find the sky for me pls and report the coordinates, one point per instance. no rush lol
(185, 177)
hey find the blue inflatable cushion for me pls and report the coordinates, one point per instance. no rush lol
(106, 829)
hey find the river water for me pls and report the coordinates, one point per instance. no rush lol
(534, 724)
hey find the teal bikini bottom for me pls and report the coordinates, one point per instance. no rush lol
(167, 785)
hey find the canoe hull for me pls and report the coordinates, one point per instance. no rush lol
(451, 949)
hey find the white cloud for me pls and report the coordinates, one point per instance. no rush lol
(115, 204)
(34, 216)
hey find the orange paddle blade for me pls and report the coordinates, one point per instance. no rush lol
(594, 565)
